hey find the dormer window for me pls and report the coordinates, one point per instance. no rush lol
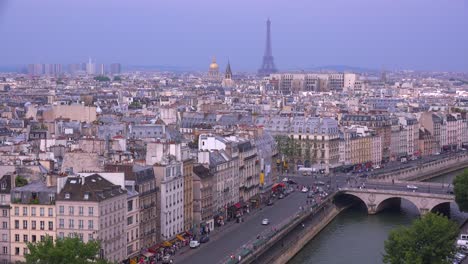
(67, 195)
(86, 196)
(4, 185)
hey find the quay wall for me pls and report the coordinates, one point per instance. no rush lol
(425, 171)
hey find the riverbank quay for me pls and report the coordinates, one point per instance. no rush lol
(285, 249)
(255, 248)
(422, 170)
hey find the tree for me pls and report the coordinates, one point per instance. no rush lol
(20, 181)
(430, 239)
(102, 78)
(64, 250)
(461, 190)
(117, 78)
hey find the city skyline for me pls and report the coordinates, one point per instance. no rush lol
(416, 35)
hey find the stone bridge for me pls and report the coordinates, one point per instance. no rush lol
(379, 199)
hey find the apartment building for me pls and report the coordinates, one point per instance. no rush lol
(93, 208)
(6, 184)
(32, 216)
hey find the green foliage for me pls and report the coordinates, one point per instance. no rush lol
(117, 78)
(430, 239)
(135, 105)
(102, 78)
(20, 181)
(461, 190)
(66, 250)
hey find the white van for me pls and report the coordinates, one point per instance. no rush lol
(194, 244)
(463, 240)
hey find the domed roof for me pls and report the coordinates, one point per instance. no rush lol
(214, 65)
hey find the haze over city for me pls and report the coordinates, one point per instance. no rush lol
(387, 34)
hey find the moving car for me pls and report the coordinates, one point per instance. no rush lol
(194, 244)
(304, 190)
(265, 221)
(412, 187)
(270, 202)
(167, 259)
(204, 239)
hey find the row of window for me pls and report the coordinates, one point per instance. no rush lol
(26, 240)
(33, 211)
(71, 224)
(33, 224)
(71, 210)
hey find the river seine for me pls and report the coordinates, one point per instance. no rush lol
(356, 237)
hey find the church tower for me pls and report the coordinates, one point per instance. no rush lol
(227, 81)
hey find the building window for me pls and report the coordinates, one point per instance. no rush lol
(25, 238)
(41, 211)
(67, 196)
(33, 211)
(5, 213)
(4, 185)
(71, 224)
(51, 212)
(5, 250)
(17, 251)
(25, 211)
(33, 238)
(130, 205)
(80, 224)
(17, 238)
(4, 237)
(33, 224)
(61, 209)
(90, 224)
(61, 223)
(130, 220)
(51, 225)
(5, 225)
(42, 238)
(16, 224)
(90, 211)
(42, 225)
(86, 196)
(71, 210)
(25, 224)
(80, 210)
(25, 251)
(61, 235)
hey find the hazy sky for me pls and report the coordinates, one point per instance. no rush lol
(391, 34)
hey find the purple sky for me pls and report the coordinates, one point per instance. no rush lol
(390, 34)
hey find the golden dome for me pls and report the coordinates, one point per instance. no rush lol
(214, 65)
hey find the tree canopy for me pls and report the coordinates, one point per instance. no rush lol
(102, 78)
(461, 190)
(20, 181)
(66, 250)
(430, 239)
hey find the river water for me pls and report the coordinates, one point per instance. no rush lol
(356, 237)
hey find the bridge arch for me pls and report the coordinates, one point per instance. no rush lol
(348, 198)
(443, 207)
(394, 202)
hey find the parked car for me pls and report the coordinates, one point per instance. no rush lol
(204, 239)
(265, 221)
(167, 259)
(319, 183)
(304, 190)
(292, 182)
(194, 244)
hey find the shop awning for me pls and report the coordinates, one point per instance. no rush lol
(167, 244)
(180, 238)
(148, 254)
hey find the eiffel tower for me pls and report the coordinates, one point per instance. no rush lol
(268, 64)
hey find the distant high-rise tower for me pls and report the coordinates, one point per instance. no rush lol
(90, 67)
(115, 68)
(268, 64)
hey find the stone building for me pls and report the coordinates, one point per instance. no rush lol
(93, 208)
(6, 184)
